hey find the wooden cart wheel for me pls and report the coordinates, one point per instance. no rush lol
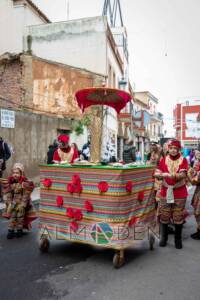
(44, 245)
(151, 242)
(118, 259)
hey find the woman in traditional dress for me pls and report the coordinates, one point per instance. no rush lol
(172, 169)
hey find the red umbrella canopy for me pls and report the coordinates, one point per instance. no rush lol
(102, 96)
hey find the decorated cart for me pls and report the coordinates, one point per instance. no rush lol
(101, 205)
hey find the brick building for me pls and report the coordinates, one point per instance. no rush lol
(41, 95)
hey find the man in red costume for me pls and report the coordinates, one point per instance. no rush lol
(172, 169)
(64, 153)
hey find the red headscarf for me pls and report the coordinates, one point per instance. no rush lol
(175, 143)
(63, 138)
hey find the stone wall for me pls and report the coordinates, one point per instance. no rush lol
(30, 139)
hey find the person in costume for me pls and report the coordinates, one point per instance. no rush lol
(172, 169)
(65, 153)
(51, 149)
(16, 195)
(153, 158)
(154, 155)
(194, 178)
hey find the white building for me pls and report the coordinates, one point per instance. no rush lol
(154, 124)
(86, 43)
(15, 16)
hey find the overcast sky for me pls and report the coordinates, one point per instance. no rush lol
(164, 44)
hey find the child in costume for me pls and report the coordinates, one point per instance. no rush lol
(194, 177)
(16, 195)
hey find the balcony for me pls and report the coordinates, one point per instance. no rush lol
(125, 118)
(158, 117)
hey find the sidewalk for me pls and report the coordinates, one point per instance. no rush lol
(35, 197)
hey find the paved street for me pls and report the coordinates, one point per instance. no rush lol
(71, 271)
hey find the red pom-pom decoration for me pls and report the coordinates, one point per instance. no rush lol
(103, 186)
(78, 188)
(74, 226)
(70, 212)
(76, 179)
(129, 186)
(141, 196)
(47, 182)
(132, 221)
(59, 201)
(70, 188)
(78, 214)
(88, 206)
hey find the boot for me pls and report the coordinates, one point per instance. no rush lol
(10, 234)
(19, 233)
(170, 229)
(163, 235)
(196, 235)
(178, 236)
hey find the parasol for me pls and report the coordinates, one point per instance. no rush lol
(114, 98)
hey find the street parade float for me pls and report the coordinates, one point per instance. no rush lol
(101, 205)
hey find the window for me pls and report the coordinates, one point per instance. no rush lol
(63, 131)
(154, 130)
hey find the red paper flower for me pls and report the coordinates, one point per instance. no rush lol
(70, 188)
(129, 186)
(78, 214)
(74, 226)
(132, 221)
(141, 196)
(78, 188)
(59, 201)
(47, 182)
(76, 179)
(70, 212)
(103, 186)
(88, 206)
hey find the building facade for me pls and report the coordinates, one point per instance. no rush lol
(100, 54)
(187, 123)
(40, 95)
(154, 128)
(15, 17)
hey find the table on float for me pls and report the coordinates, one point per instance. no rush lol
(98, 205)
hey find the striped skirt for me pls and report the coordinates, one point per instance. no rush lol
(172, 212)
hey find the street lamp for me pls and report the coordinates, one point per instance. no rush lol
(122, 84)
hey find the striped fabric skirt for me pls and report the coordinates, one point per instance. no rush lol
(172, 212)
